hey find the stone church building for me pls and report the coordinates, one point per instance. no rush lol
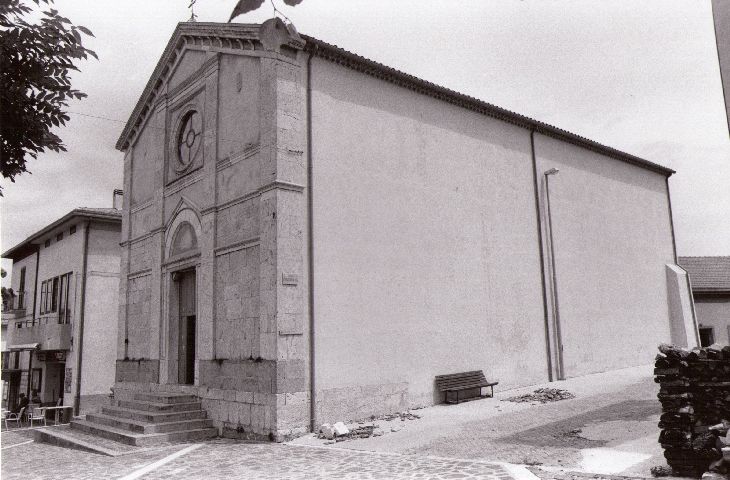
(310, 236)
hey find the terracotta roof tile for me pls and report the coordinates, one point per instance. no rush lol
(708, 274)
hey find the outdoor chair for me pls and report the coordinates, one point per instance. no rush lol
(37, 413)
(14, 417)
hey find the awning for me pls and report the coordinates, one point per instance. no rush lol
(24, 346)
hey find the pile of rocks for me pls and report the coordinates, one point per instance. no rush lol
(694, 390)
(542, 395)
(339, 432)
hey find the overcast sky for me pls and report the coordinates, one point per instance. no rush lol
(642, 77)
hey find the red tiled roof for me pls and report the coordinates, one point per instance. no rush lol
(708, 274)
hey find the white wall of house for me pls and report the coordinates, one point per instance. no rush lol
(714, 312)
(100, 319)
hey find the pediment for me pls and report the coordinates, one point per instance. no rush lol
(272, 35)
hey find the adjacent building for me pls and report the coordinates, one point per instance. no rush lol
(310, 236)
(61, 337)
(710, 280)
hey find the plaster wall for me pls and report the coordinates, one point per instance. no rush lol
(59, 258)
(29, 263)
(612, 240)
(426, 257)
(714, 311)
(102, 286)
(721, 14)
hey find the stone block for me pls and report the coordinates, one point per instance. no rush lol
(244, 397)
(244, 413)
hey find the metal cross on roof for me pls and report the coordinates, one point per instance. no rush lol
(192, 11)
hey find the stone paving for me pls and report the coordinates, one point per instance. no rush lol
(230, 459)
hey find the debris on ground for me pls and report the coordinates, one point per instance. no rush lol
(542, 395)
(575, 433)
(339, 432)
(340, 429)
(661, 471)
(403, 416)
(358, 432)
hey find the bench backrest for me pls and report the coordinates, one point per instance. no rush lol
(445, 382)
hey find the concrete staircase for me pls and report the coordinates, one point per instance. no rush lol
(150, 419)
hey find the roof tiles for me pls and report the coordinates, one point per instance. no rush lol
(708, 274)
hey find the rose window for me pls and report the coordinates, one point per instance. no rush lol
(189, 138)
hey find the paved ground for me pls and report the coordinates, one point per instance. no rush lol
(609, 428)
(229, 459)
(607, 432)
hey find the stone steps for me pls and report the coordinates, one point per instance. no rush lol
(153, 417)
(159, 406)
(150, 419)
(165, 397)
(142, 439)
(148, 427)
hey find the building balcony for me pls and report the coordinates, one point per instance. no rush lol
(49, 336)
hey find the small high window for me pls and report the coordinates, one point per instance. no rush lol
(59, 237)
(72, 230)
(47, 243)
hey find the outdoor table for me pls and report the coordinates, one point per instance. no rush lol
(57, 410)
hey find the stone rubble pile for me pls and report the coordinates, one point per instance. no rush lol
(694, 390)
(339, 432)
(542, 395)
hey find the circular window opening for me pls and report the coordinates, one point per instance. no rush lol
(189, 138)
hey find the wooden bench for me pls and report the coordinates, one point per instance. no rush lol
(454, 385)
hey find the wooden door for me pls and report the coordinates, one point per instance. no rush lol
(186, 329)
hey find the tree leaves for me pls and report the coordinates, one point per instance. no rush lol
(245, 6)
(35, 85)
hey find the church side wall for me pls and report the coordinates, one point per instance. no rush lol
(426, 257)
(612, 239)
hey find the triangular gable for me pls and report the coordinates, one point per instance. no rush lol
(219, 36)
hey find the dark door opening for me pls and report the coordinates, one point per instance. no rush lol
(186, 328)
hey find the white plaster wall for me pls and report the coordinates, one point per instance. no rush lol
(714, 312)
(60, 258)
(612, 240)
(29, 263)
(426, 257)
(100, 318)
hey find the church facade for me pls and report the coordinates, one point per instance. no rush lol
(311, 236)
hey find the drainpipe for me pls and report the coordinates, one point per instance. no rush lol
(82, 307)
(310, 244)
(554, 278)
(542, 258)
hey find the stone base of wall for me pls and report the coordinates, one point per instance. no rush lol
(141, 371)
(361, 402)
(238, 414)
(93, 403)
